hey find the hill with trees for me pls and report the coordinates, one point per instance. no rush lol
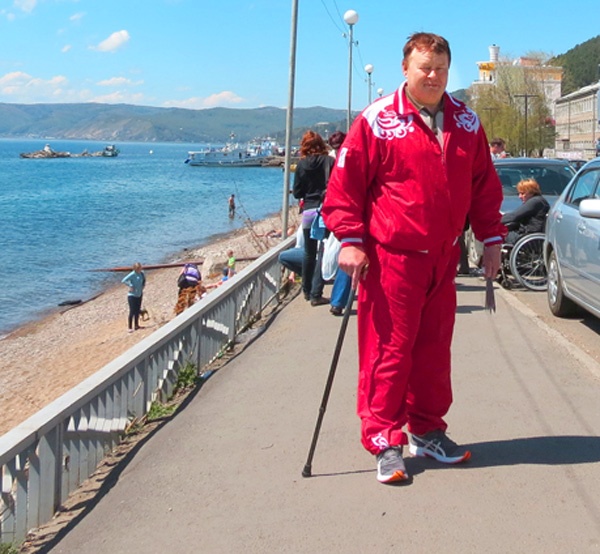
(580, 65)
(125, 122)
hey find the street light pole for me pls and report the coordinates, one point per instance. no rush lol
(369, 69)
(289, 124)
(350, 17)
(491, 116)
(526, 96)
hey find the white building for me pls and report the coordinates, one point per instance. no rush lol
(577, 123)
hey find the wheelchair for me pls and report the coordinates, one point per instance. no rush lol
(524, 261)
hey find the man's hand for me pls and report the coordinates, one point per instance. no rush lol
(491, 260)
(354, 261)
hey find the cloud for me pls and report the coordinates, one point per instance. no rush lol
(118, 97)
(77, 17)
(119, 81)
(224, 99)
(25, 5)
(65, 48)
(113, 42)
(22, 87)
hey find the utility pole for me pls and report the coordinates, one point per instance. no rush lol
(289, 122)
(526, 96)
(491, 118)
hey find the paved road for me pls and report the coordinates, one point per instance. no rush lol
(225, 474)
(582, 330)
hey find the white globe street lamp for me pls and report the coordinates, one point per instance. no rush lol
(369, 69)
(351, 18)
(380, 92)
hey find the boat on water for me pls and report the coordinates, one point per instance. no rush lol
(252, 154)
(46, 153)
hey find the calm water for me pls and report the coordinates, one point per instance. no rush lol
(61, 217)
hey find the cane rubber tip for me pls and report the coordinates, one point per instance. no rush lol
(306, 472)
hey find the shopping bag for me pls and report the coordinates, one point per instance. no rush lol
(329, 262)
(318, 228)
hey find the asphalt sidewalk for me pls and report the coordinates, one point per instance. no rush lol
(225, 474)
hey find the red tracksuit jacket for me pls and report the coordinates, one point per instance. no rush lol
(392, 180)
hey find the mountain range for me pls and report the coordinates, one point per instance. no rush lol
(125, 122)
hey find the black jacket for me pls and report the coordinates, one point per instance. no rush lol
(528, 218)
(310, 179)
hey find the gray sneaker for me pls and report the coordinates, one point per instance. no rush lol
(436, 444)
(390, 465)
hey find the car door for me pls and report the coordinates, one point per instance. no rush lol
(588, 248)
(569, 238)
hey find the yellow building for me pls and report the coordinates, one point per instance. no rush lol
(549, 77)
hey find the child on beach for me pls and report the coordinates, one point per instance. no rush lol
(136, 280)
(229, 269)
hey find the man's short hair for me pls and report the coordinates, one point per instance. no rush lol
(428, 42)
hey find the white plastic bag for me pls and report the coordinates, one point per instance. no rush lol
(329, 263)
(300, 237)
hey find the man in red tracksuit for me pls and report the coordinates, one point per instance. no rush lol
(413, 166)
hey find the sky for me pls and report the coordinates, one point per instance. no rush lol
(206, 53)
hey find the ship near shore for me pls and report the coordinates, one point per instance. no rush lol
(256, 153)
(47, 153)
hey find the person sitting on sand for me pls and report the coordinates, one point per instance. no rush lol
(136, 281)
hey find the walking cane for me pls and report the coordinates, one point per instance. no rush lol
(306, 472)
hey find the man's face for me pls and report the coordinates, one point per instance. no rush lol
(427, 76)
(497, 149)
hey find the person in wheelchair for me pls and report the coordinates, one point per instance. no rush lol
(530, 217)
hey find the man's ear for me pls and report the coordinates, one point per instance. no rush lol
(404, 67)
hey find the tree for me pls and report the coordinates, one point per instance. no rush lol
(501, 106)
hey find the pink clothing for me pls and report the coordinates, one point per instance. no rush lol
(397, 191)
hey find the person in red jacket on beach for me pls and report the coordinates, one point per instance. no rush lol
(413, 166)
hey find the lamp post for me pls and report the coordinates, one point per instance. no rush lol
(380, 92)
(369, 69)
(351, 18)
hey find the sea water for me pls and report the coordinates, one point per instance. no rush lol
(60, 218)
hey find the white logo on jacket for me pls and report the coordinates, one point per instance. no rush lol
(387, 124)
(467, 120)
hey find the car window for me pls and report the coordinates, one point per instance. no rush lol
(586, 186)
(552, 180)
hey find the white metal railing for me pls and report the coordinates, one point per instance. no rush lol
(46, 457)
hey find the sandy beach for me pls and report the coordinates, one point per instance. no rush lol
(46, 358)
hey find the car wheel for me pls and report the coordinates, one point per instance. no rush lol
(559, 304)
(473, 251)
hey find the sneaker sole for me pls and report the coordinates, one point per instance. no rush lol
(424, 453)
(397, 476)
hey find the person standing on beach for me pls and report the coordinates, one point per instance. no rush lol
(232, 205)
(413, 165)
(136, 281)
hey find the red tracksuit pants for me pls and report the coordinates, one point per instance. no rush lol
(406, 311)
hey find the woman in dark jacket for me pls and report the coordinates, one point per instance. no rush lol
(530, 217)
(310, 182)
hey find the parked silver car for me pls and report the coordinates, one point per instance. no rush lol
(572, 246)
(551, 175)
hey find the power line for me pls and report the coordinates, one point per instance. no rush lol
(341, 30)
